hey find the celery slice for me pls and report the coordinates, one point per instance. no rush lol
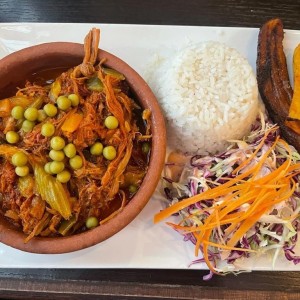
(52, 191)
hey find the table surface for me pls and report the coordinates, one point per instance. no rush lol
(150, 284)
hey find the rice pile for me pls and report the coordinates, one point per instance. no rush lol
(209, 95)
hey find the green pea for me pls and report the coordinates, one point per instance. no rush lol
(91, 222)
(47, 168)
(31, 114)
(132, 188)
(74, 99)
(17, 112)
(57, 155)
(48, 129)
(19, 159)
(56, 167)
(63, 176)
(63, 102)
(50, 110)
(27, 126)
(96, 149)
(76, 162)
(42, 116)
(109, 152)
(146, 147)
(70, 150)
(22, 171)
(12, 137)
(111, 122)
(57, 143)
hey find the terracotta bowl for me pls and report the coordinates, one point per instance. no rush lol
(19, 66)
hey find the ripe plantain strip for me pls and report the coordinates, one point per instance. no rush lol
(273, 79)
(294, 112)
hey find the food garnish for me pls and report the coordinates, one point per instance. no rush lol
(241, 202)
(71, 150)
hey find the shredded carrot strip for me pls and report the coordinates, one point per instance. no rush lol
(209, 194)
(205, 253)
(227, 247)
(244, 227)
(246, 162)
(227, 220)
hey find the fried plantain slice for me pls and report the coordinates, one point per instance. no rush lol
(273, 78)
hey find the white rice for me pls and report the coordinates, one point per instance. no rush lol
(209, 95)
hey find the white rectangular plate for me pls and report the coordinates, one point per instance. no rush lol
(141, 244)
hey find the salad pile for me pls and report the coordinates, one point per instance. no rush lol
(239, 203)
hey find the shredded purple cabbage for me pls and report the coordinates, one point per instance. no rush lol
(207, 172)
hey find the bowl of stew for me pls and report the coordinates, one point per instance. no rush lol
(82, 146)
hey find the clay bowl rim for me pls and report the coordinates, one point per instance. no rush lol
(58, 245)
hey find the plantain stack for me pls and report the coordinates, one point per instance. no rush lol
(273, 78)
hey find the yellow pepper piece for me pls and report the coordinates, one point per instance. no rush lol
(21, 100)
(6, 105)
(72, 123)
(55, 90)
(5, 108)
